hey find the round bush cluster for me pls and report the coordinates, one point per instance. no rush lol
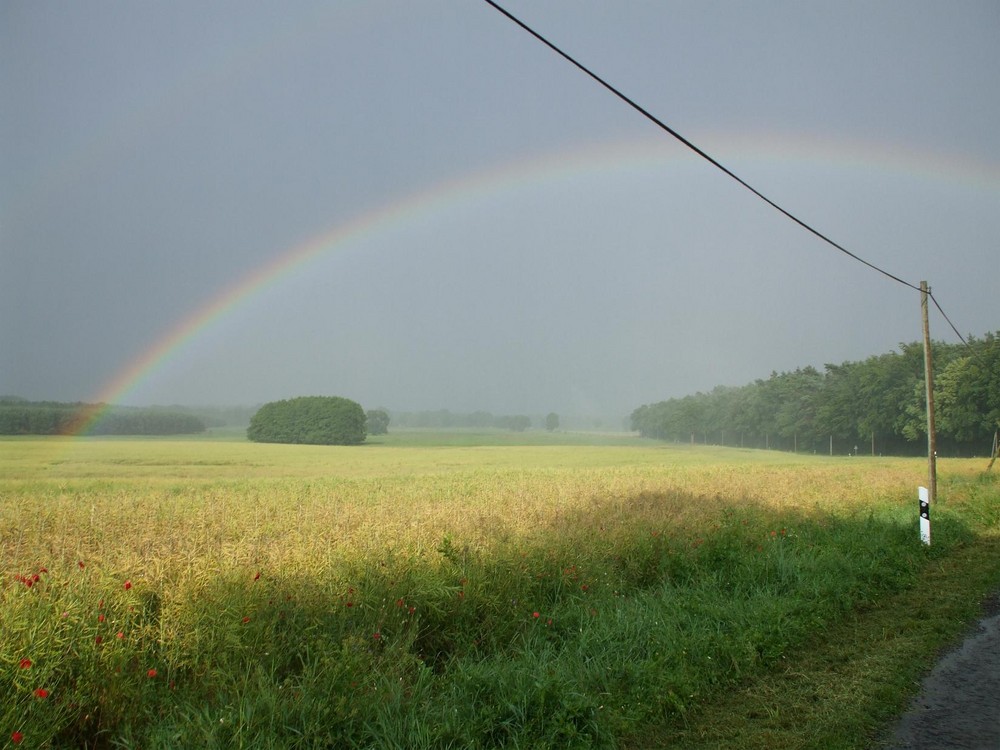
(315, 420)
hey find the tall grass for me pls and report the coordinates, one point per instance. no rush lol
(543, 596)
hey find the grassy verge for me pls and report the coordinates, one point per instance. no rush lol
(570, 597)
(845, 686)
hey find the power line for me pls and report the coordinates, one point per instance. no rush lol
(714, 162)
(940, 310)
(960, 336)
(718, 165)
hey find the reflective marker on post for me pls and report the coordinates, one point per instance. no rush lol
(925, 515)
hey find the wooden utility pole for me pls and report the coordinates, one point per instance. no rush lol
(929, 383)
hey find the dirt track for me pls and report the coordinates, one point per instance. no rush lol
(959, 702)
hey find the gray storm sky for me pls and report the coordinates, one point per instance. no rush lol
(559, 252)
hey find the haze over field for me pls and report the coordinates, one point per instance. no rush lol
(417, 205)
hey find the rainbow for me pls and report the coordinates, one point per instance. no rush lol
(554, 168)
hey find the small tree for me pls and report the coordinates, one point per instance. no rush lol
(517, 423)
(520, 422)
(552, 421)
(378, 421)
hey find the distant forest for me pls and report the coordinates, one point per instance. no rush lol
(445, 419)
(21, 417)
(875, 406)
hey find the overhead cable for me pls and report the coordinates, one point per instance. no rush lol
(714, 162)
(961, 338)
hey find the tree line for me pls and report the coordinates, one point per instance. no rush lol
(22, 417)
(877, 405)
(445, 419)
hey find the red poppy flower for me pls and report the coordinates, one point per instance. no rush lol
(257, 576)
(120, 635)
(41, 693)
(36, 578)
(128, 585)
(151, 673)
(535, 615)
(16, 738)
(25, 663)
(100, 617)
(80, 564)
(377, 636)
(246, 619)
(97, 640)
(350, 604)
(28, 582)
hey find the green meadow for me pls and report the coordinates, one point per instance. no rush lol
(474, 590)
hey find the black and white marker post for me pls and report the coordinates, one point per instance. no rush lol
(925, 515)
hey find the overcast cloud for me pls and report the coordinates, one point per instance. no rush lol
(155, 155)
